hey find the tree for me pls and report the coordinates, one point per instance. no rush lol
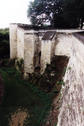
(46, 12)
(81, 13)
(59, 13)
(73, 13)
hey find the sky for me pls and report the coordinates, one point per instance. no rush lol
(13, 11)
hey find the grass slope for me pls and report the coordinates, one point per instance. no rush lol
(20, 94)
(28, 95)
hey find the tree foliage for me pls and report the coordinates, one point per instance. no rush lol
(59, 13)
(45, 11)
(73, 12)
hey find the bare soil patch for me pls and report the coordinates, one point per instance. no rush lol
(18, 118)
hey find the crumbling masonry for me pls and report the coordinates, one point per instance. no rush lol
(37, 47)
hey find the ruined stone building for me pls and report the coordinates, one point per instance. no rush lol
(38, 47)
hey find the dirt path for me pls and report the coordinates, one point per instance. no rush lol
(18, 118)
(1, 89)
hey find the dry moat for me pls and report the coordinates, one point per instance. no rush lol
(36, 100)
(40, 92)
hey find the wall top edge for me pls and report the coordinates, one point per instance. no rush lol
(31, 29)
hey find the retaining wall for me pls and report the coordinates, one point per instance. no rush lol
(64, 44)
(36, 52)
(72, 109)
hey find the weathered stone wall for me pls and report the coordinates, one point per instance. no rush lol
(29, 45)
(13, 41)
(37, 51)
(45, 54)
(53, 46)
(63, 46)
(20, 43)
(72, 109)
(28, 53)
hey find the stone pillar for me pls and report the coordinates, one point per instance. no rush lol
(28, 53)
(54, 42)
(20, 43)
(13, 41)
(37, 52)
(45, 54)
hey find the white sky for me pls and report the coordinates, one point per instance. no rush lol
(13, 11)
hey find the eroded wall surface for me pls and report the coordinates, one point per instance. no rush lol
(35, 51)
(13, 41)
(28, 53)
(20, 43)
(45, 54)
(63, 46)
(72, 109)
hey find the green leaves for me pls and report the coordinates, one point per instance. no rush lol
(42, 11)
(60, 13)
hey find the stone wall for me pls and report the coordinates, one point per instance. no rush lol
(20, 43)
(28, 45)
(45, 54)
(36, 51)
(72, 109)
(63, 46)
(13, 41)
(28, 53)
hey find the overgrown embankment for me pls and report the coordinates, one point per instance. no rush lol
(29, 102)
(36, 97)
(21, 95)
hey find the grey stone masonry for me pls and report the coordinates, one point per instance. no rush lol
(37, 47)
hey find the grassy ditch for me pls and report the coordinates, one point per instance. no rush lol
(51, 82)
(19, 94)
(33, 96)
